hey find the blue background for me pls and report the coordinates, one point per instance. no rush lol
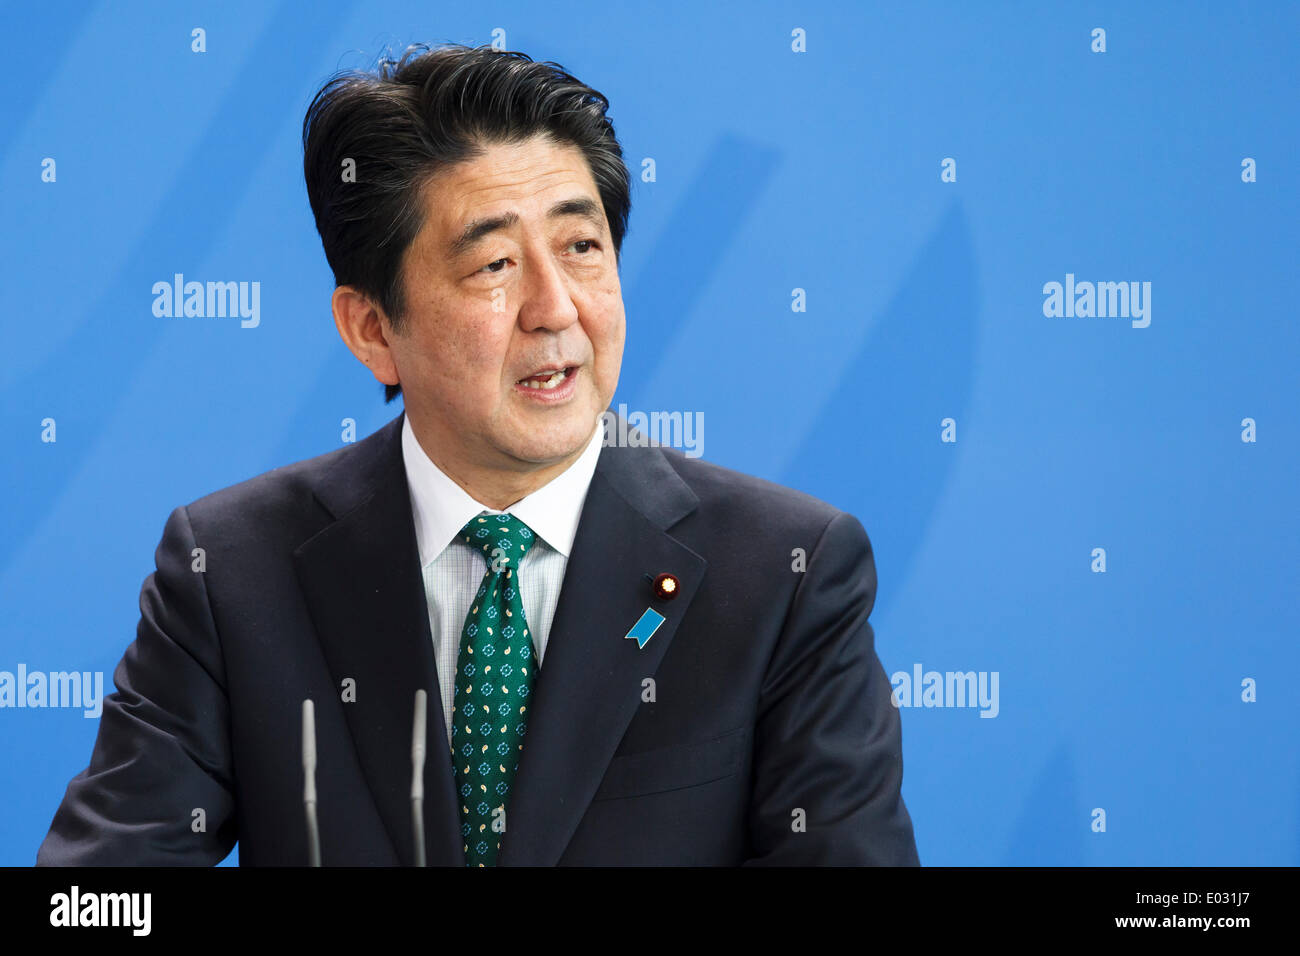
(775, 171)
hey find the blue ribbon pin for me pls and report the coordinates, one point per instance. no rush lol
(645, 626)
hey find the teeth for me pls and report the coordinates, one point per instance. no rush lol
(545, 384)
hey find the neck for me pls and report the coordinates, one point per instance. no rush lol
(497, 487)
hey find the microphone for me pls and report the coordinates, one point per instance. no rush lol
(417, 774)
(309, 780)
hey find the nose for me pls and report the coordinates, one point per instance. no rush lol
(547, 299)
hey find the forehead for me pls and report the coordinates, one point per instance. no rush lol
(525, 178)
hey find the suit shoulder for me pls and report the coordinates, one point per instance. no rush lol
(282, 493)
(750, 499)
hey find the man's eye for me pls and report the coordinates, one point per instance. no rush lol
(492, 267)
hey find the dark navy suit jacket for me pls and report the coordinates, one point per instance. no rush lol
(770, 737)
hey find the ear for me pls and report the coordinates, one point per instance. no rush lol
(365, 330)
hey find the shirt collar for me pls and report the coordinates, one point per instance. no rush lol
(441, 507)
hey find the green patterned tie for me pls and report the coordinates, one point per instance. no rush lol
(494, 677)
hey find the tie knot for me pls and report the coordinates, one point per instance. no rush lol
(503, 539)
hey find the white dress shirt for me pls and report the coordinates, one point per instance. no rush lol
(453, 570)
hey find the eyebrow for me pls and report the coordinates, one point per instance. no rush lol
(477, 229)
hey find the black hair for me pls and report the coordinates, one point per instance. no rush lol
(406, 120)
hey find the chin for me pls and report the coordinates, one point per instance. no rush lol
(555, 441)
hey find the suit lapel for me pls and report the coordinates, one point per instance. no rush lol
(590, 682)
(361, 579)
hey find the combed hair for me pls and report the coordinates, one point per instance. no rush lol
(406, 120)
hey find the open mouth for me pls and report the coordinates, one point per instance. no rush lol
(547, 380)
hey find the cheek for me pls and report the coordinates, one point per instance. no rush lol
(615, 328)
(609, 351)
(606, 304)
(465, 353)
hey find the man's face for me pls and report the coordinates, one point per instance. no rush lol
(488, 305)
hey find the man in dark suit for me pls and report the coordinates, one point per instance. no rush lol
(641, 658)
